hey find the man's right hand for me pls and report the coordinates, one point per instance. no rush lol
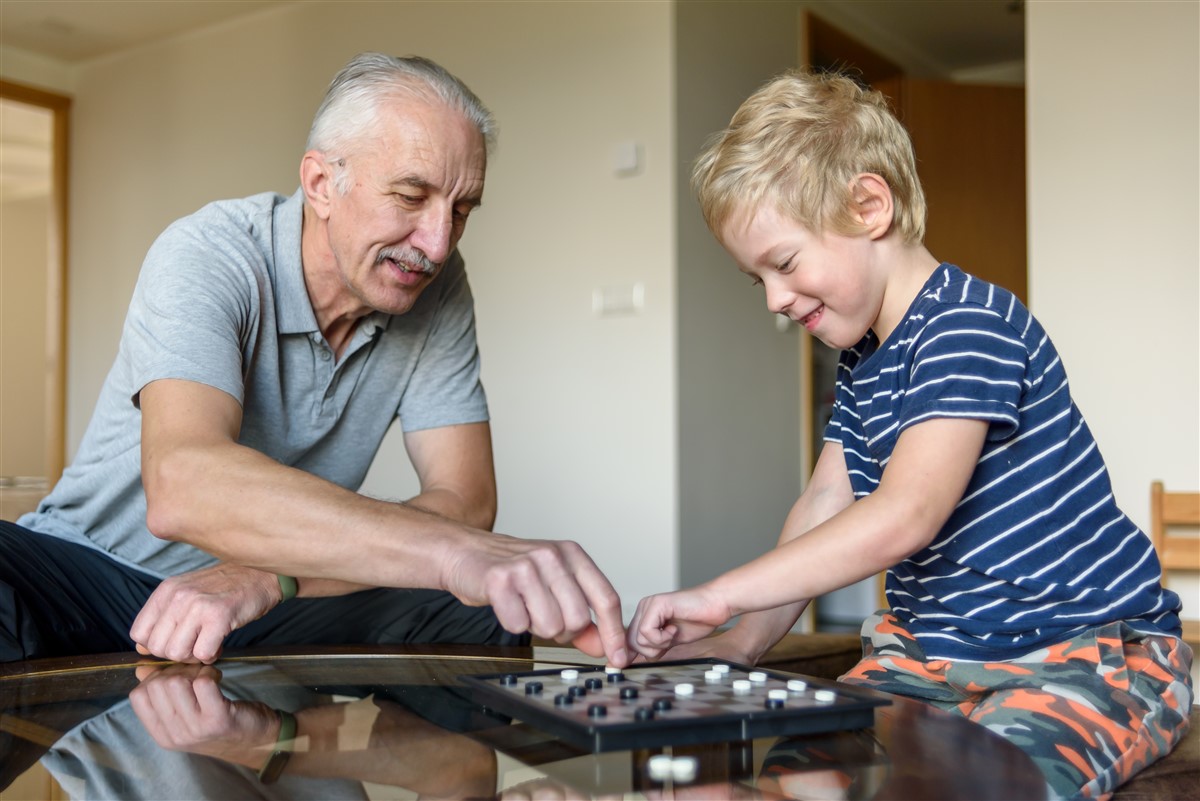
(549, 588)
(188, 617)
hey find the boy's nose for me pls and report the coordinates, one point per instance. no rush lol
(778, 302)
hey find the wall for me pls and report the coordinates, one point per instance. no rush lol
(1114, 269)
(1114, 199)
(583, 406)
(739, 399)
(38, 71)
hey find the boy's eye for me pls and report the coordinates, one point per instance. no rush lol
(755, 281)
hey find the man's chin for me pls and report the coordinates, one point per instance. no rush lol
(402, 300)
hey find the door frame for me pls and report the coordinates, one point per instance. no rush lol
(56, 270)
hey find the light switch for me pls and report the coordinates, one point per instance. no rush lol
(627, 158)
(611, 301)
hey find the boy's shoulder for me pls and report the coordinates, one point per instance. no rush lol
(950, 288)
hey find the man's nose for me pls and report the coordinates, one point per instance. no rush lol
(434, 234)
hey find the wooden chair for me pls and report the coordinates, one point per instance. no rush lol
(1181, 553)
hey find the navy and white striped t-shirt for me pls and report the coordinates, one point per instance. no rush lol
(1037, 550)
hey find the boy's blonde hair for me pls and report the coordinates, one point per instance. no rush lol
(797, 143)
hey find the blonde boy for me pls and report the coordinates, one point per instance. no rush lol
(1020, 595)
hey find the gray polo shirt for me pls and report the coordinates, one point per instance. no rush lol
(221, 300)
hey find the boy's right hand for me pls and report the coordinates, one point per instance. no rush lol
(664, 621)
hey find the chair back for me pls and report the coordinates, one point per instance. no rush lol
(1170, 512)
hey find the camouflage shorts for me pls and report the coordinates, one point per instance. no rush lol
(1091, 711)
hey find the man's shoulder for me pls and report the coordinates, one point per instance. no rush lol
(252, 214)
(234, 230)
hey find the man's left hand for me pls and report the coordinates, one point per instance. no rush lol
(188, 617)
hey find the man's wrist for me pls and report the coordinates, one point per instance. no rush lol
(282, 752)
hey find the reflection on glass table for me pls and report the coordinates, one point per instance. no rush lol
(397, 725)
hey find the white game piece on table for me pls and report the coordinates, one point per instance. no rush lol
(659, 767)
(778, 694)
(609, 669)
(825, 696)
(741, 687)
(797, 685)
(721, 668)
(570, 675)
(758, 677)
(684, 689)
(713, 676)
(683, 769)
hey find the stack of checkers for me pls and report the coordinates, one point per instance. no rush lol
(679, 770)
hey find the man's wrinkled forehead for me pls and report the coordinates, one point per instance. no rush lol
(429, 146)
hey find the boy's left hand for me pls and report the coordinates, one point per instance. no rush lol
(674, 618)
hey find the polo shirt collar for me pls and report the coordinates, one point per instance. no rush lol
(293, 309)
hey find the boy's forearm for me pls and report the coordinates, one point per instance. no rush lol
(757, 632)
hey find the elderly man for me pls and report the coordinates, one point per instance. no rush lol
(269, 345)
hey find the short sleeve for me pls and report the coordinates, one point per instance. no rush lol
(191, 311)
(967, 362)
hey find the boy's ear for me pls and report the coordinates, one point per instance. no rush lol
(872, 199)
(317, 182)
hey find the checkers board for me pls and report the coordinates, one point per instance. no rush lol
(643, 706)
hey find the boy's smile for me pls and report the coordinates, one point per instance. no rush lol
(829, 283)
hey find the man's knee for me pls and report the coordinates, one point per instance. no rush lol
(13, 626)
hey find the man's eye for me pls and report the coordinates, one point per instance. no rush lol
(755, 282)
(411, 200)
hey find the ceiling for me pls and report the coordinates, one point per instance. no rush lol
(931, 37)
(948, 35)
(75, 31)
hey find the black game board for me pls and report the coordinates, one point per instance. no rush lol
(598, 717)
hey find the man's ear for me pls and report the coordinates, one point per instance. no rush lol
(872, 199)
(317, 182)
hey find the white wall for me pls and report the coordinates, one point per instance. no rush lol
(1114, 214)
(583, 407)
(739, 377)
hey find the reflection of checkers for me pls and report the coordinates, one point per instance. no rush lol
(641, 708)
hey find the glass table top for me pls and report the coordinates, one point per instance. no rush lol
(401, 724)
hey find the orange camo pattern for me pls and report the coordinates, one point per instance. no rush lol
(1091, 712)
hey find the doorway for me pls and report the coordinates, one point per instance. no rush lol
(33, 256)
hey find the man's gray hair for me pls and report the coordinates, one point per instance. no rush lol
(351, 103)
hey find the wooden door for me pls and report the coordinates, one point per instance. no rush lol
(33, 290)
(970, 146)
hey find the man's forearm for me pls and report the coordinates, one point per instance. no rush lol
(283, 520)
(449, 504)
